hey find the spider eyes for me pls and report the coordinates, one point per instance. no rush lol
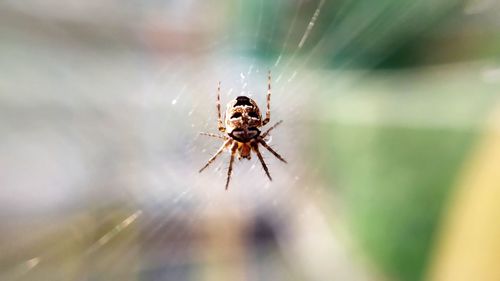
(236, 115)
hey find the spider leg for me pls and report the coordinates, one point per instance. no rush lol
(221, 149)
(231, 160)
(220, 124)
(255, 148)
(264, 144)
(213, 135)
(271, 128)
(268, 109)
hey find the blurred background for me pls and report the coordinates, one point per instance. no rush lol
(391, 130)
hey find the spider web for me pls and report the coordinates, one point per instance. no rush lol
(101, 109)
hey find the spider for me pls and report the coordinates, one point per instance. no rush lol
(241, 130)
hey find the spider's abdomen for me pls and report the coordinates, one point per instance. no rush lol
(244, 135)
(242, 119)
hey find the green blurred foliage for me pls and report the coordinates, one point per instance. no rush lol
(394, 182)
(364, 33)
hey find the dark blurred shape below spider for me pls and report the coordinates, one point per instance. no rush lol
(241, 130)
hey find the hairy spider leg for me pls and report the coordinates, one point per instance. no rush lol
(255, 147)
(219, 115)
(270, 129)
(231, 160)
(213, 135)
(264, 144)
(224, 145)
(268, 109)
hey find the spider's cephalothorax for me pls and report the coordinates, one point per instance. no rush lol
(241, 127)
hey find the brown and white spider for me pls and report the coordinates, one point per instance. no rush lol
(241, 130)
